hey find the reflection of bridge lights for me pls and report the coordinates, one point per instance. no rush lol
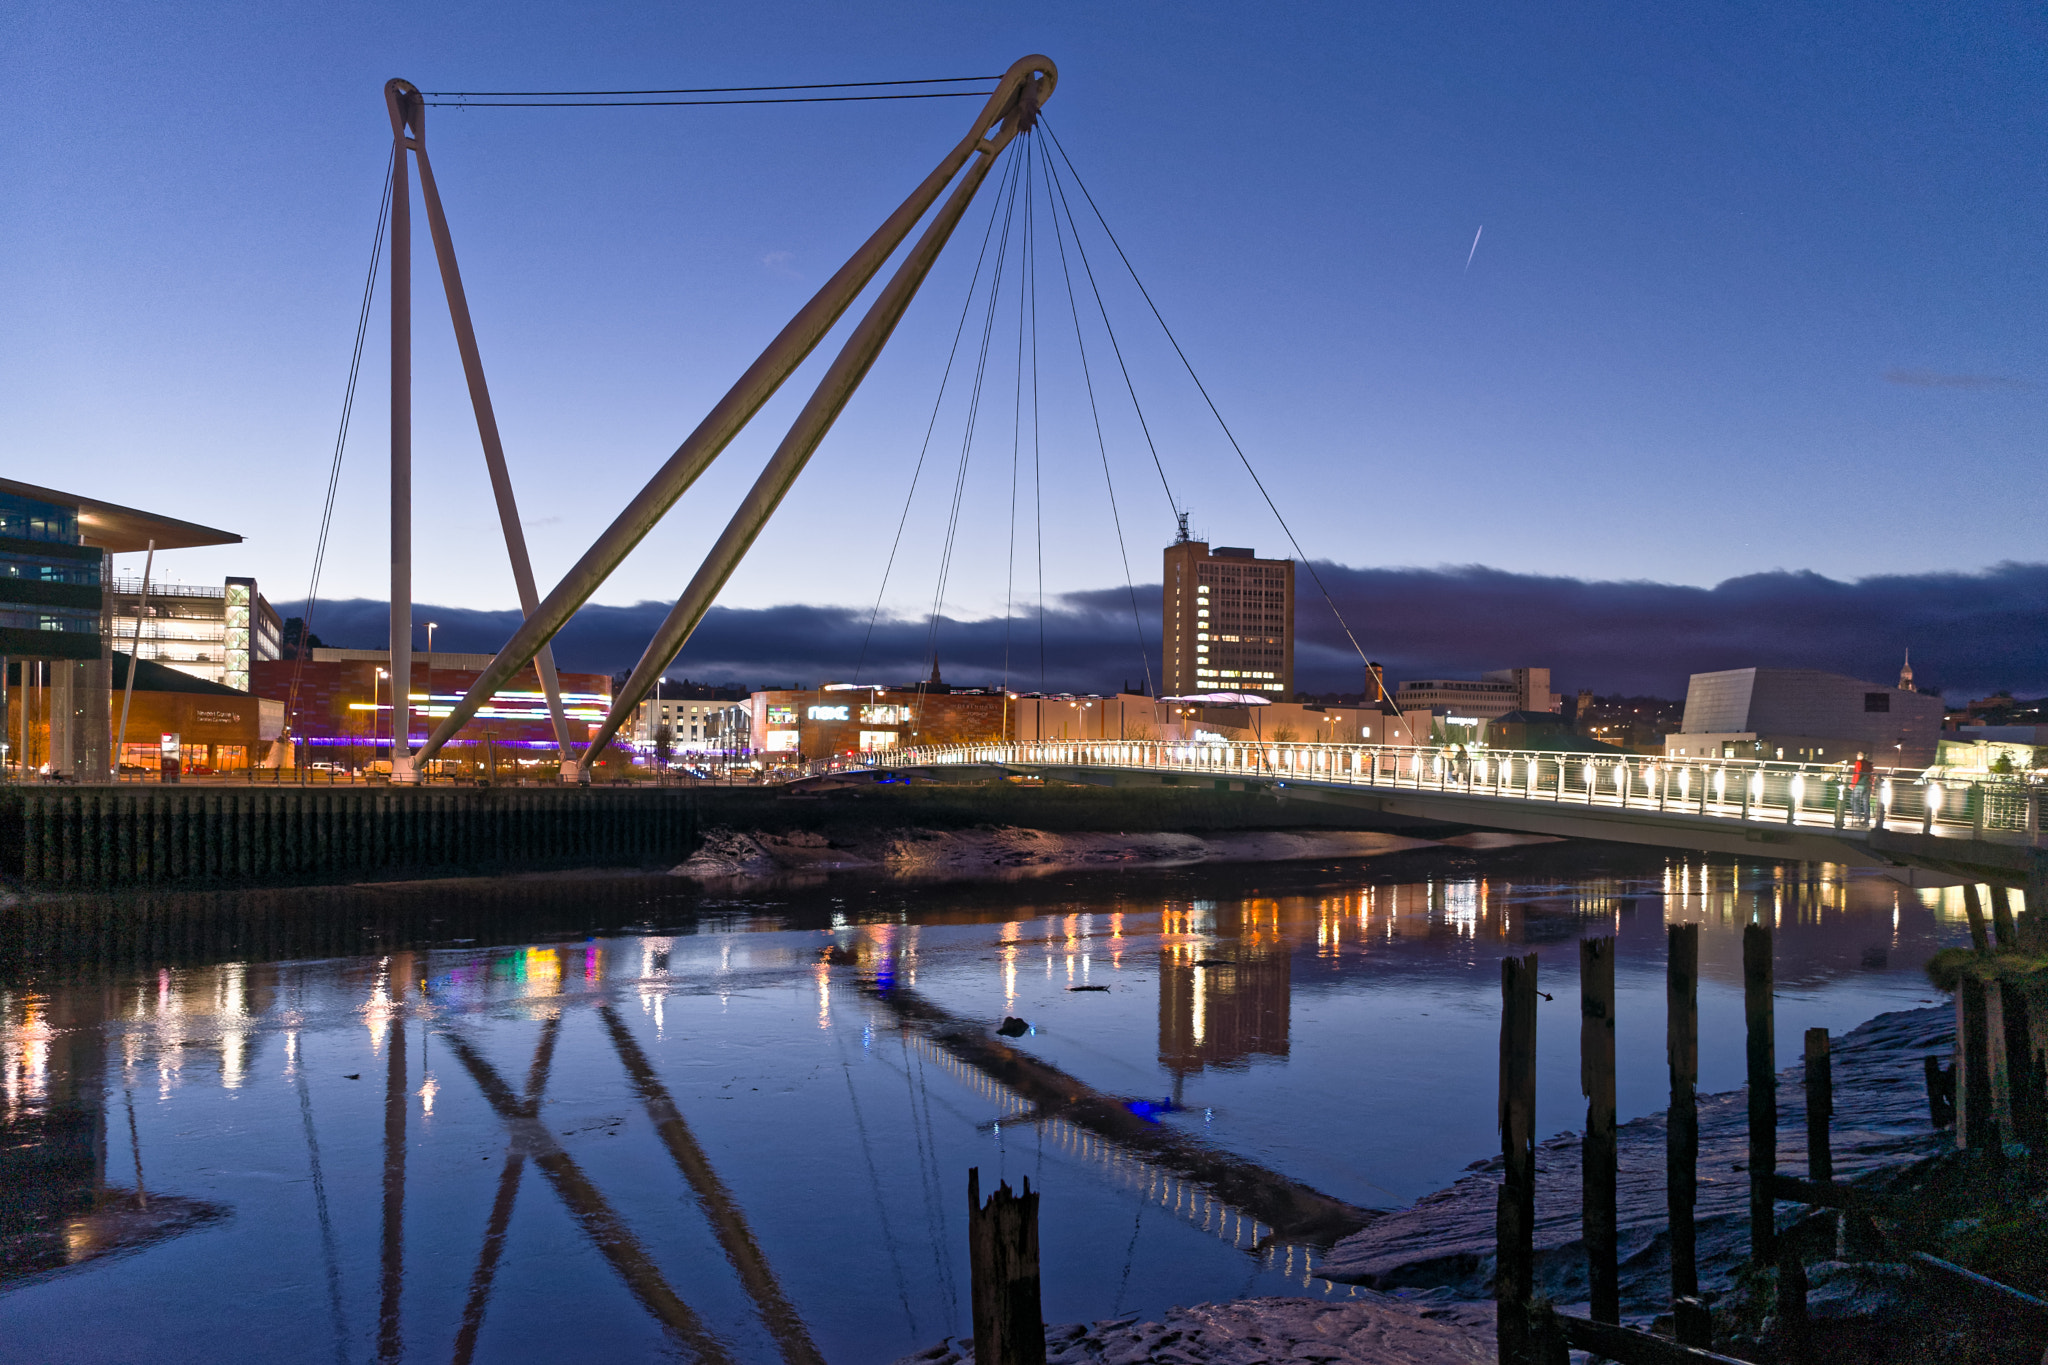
(1462, 907)
(377, 1013)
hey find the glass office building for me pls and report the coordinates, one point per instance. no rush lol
(50, 602)
(57, 626)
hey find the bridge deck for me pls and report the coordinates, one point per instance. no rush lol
(1987, 828)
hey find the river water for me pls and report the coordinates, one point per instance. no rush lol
(626, 1118)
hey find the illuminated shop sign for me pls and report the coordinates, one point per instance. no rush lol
(827, 713)
(884, 715)
(782, 715)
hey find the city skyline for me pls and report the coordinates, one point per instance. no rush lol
(1675, 357)
(1970, 634)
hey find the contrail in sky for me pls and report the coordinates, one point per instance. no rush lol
(1475, 248)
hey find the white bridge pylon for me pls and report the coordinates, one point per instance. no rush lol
(1011, 109)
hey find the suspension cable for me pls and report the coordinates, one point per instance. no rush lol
(1037, 447)
(642, 104)
(348, 403)
(973, 419)
(1101, 445)
(1057, 188)
(1231, 436)
(959, 329)
(711, 89)
(1027, 294)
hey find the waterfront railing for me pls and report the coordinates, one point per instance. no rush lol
(1798, 795)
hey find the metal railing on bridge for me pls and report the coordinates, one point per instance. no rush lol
(1747, 791)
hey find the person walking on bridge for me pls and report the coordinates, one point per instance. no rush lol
(1861, 777)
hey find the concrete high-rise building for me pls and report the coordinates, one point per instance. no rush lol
(1228, 621)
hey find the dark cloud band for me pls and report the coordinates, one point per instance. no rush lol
(1970, 633)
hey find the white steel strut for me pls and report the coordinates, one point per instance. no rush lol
(408, 131)
(1012, 108)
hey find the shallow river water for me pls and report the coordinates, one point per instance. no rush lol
(632, 1118)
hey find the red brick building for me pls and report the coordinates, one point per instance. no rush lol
(342, 714)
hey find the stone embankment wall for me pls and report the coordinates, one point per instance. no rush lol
(82, 838)
(56, 838)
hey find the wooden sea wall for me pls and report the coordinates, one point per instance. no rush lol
(105, 837)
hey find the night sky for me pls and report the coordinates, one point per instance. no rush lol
(1746, 367)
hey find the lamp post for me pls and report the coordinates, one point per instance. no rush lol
(430, 677)
(376, 716)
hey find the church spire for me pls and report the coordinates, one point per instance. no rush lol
(1906, 673)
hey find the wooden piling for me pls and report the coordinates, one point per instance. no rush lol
(1973, 1063)
(1790, 1337)
(1600, 1173)
(2022, 1070)
(1002, 1253)
(1515, 1213)
(2007, 932)
(1974, 907)
(1759, 1020)
(1682, 1129)
(1941, 1091)
(1820, 1106)
(1692, 1322)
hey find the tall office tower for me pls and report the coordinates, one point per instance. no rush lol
(1228, 621)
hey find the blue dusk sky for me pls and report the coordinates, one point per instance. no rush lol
(1759, 289)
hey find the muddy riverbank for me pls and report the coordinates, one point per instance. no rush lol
(741, 854)
(1446, 1240)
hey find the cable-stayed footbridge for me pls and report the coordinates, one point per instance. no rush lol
(1983, 830)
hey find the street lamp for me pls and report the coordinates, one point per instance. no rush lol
(376, 715)
(430, 675)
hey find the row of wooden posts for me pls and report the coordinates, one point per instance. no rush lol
(1529, 1333)
(1003, 1233)
(1533, 1333)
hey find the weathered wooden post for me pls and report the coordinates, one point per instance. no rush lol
(1515, 1213)
(2008, 933)
(1682, 1127)
(1975, 909)
(1600, 1160)
(2022, 1066)
(1759, 1017)
(1002, 1253)
(1973, 1061)
(1791, 1306)
(1820, 1107)
(1941, 1091)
